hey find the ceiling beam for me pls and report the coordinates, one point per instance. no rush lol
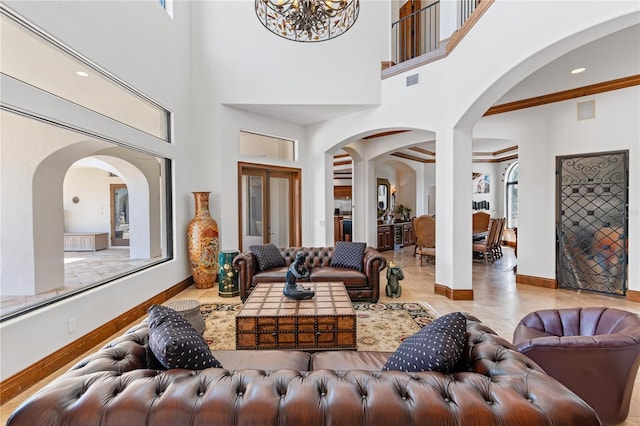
(565, 95)
(412, 157)
(423, 151)
(381, 134)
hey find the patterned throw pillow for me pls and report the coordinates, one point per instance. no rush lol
(348, 255)
(438, 346)
(175, 343)
(268, 256)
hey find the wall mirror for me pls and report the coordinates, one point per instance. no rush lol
(383, 191)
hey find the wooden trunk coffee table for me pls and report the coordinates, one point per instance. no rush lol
(270, 320)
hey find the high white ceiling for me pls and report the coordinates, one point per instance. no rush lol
(609, 58)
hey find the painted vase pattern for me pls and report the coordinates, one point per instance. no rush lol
(203, 242)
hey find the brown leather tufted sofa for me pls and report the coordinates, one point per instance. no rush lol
(361, 285)
(119, 385)
(594, 351)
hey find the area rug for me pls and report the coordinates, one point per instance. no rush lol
(380, 326)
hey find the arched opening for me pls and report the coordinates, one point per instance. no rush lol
(511, 196)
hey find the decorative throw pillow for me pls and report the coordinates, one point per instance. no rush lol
(268, 256)
(348, 255)
(175, 343)
(438, 346)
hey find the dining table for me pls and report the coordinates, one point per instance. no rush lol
(477, 236)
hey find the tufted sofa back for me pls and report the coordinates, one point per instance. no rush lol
(117, 386)
(316, 256)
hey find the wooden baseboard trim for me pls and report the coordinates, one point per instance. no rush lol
(536, 281)
(26, 378)
(633, 296)
(453, 294)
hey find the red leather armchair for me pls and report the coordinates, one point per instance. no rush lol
(595, 352)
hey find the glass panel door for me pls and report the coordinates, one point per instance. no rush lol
(269, 205)
(279, 210)
(252, 210)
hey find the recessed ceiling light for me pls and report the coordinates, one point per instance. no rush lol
(578, 70)
(82, 74)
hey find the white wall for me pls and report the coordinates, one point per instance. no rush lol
(495, 189)
(552, 130)
(91, 213)
(406, 189)
(150, 51)
(449, 100)
(251, 65)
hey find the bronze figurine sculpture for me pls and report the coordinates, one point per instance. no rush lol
(297, 270)
(394, 275)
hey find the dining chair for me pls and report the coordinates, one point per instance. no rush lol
(425, 229)
(480, 222)
(486, 246)
(497, 242)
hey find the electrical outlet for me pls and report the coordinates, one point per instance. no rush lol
(72, 324)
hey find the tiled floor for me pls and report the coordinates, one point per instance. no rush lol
(498, 301)
(81, 269)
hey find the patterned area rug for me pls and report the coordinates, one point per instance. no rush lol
(381, 326)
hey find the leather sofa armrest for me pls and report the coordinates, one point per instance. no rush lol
(125, 353)
(373, 263)
(246, 264)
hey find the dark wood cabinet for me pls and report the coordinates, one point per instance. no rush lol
(385, 237)
(397, 235)
(408, 236)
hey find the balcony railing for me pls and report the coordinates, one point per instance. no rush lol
(418, 33)
(467, 7)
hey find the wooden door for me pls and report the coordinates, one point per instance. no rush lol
(410, 29)
(269, 205)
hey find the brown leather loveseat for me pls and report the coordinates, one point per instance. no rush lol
(361, 285)
(118, 386)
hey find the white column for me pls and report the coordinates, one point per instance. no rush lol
(453, 213)
(421, 192)
(358, 202)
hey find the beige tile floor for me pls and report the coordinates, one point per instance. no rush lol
(498, 301)
(81, 269)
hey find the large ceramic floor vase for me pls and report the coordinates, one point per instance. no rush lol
(202, 236)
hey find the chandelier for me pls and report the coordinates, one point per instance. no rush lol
(307, 20)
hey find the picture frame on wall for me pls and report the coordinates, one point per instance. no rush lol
(482, 183)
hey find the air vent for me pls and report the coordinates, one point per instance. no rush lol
(413, 79)
(586, 110)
